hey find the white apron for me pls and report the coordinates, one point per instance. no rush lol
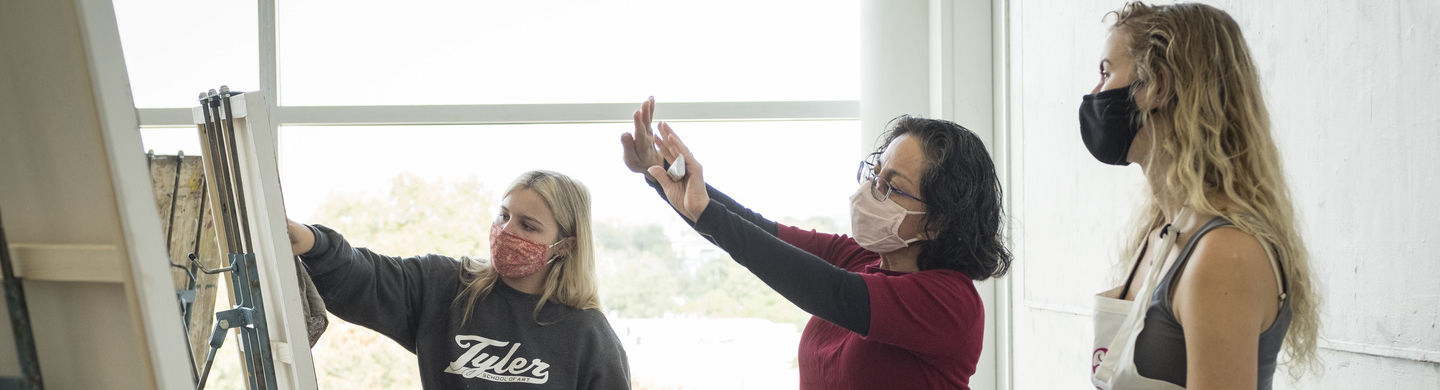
(1118, 322)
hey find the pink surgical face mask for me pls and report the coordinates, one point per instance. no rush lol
(515, 257)
(876, 223)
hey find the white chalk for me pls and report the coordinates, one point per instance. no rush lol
(677, 168)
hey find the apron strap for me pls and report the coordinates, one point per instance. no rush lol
(1275, 266)
(1137, 310)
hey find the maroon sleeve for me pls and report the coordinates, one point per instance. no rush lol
(935, 312)
(837, 249)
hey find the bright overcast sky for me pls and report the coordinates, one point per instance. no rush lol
(508, 52)
(384, 52)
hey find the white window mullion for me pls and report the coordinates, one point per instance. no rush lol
(529, 113)
(564, 113)
(165, 117)
(1000, 147)
(269, 65)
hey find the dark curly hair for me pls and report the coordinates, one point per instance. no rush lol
(962, 198)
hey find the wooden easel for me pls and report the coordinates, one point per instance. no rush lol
(185, 216)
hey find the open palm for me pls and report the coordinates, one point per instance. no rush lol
(687, 194)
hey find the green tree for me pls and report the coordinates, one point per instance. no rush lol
(416, 217)
(639, 273)
(724, 288)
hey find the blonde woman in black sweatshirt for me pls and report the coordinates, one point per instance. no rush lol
(526, 318)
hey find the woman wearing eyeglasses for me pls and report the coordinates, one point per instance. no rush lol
(895, 305)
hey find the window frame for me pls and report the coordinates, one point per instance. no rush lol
(470, 114)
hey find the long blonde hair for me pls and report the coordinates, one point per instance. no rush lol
(571, 281)
(1211, 132)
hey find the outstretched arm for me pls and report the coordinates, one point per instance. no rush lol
(816, 286)
(383, 293)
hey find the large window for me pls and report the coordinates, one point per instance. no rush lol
(176, 48)
(340, 52)
(401, 123)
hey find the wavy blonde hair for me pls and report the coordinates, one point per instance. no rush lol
(571, 281)
(1211, 134)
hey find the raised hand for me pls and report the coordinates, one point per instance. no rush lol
(687, 195)
(640, 149)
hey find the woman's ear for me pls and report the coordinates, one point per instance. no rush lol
(1158, 93)
(928, 235)
(563, 248)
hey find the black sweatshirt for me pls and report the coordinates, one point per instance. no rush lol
(413, 301)
(816, 286)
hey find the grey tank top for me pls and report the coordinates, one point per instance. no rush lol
(1160, 347)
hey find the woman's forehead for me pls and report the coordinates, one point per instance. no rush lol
(905, 157)
(528, 202)
(1116, 48)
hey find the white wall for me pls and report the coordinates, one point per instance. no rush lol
(894, 64)
(1351, 86)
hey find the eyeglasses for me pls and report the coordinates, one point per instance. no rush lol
(880, 188)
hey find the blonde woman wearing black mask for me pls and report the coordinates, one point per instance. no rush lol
(1220, 279)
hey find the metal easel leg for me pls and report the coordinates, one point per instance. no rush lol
(249, 313)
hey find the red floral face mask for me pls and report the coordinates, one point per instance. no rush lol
(514, 256)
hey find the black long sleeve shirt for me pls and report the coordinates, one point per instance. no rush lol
(811, 283)
(413, 301)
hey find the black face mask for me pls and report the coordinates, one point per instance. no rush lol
(1108, 125)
